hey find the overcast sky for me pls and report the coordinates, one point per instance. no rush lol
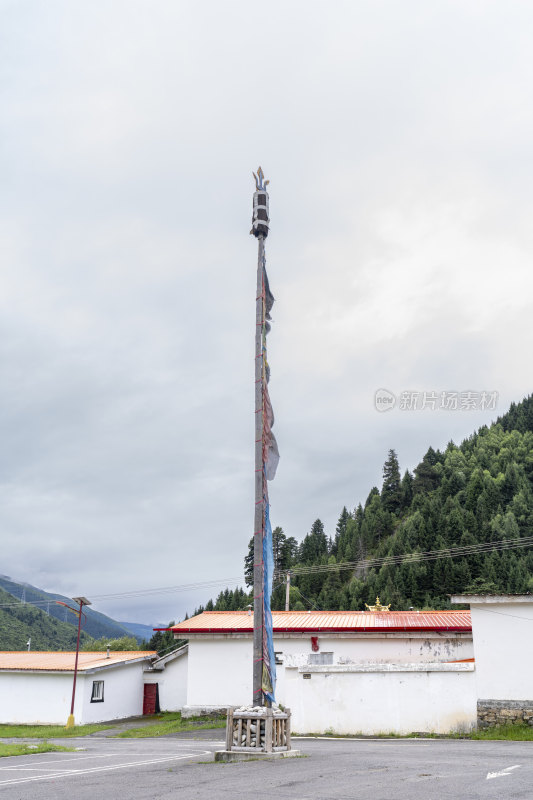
(397, 139)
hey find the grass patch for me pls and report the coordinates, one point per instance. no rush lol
(48, 731)
(29, 749)
(515, 732)
(172, 722)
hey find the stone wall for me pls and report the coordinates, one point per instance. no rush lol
(502, 712)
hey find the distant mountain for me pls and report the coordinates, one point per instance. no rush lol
(140, 631)
(97, 625)
(20, 623)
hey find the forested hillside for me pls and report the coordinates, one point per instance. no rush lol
(468, 496)
(19, 623)
(96, 624)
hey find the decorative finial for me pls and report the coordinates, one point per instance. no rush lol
(378, 606)
(260, 183)
(260, 217)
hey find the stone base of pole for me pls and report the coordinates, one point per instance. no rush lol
(235, 755)
(257, 732)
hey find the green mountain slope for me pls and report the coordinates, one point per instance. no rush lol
(470, 495)
(18, 624)
(477, 493)
(96, 625)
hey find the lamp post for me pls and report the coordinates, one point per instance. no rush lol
(82, 601)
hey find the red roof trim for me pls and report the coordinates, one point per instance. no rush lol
(358, 629)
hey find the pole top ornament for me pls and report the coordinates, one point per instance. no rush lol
(260, 183)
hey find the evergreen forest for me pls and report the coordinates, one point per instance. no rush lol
(468, 496)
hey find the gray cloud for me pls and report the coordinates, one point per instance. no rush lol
(397, 141)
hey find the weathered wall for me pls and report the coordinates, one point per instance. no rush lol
(387, 698)
(220, 670)
(502, 712)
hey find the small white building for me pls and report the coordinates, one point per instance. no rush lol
(169, 674)
(352, 671)
(37, 687)
(502, 627)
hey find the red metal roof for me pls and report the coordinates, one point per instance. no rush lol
(64, 662)
(328, 621)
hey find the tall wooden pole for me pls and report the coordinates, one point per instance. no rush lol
(259, 519)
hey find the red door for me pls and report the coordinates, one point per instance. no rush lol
(150, 698)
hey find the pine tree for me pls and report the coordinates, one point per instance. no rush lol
(390, 492)
(278, 544)
(249, 564)
(406, 490)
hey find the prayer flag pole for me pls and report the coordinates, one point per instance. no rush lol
(260, 222)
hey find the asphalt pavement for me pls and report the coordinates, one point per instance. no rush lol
(341, 769)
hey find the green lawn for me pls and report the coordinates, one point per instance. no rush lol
(47, 731)
(29, 749)
(172, 722)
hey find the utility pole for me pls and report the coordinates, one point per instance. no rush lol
(82, 601)
(29, 644)
(260, 220)
(287, 589)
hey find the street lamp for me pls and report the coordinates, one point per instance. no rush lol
(82, 601)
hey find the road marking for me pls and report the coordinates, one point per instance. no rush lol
(64, 773)
(62, 760)
(502, 773)
(66, 760)
(392, 741)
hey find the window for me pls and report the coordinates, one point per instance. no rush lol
(98, 692)
(320, 658)
(279, 657)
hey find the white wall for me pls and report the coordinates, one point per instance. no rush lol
(220, 672)
(220, 669)
(503, 645)
(38, 697)
(123, 693)
(172, 681)
(399, 698)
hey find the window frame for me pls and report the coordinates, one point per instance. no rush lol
(97, 690)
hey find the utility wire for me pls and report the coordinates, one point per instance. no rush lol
(390, 560)
(411, 558)
(307, 599)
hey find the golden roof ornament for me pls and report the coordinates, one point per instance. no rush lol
(378, 606)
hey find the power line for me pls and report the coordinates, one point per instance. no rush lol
(390, 560)
(307, 599)
(132, 594)
(411, 558)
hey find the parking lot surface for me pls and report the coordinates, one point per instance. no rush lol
(344, 769)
